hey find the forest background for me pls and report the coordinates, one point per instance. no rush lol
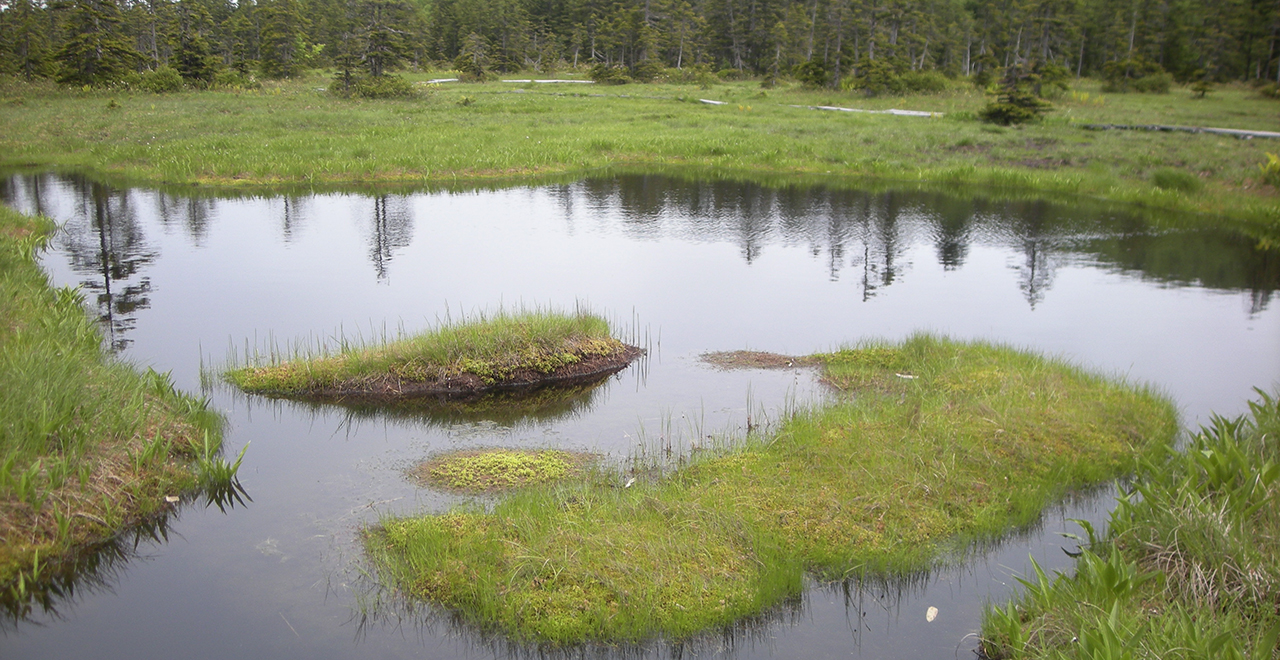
(833, 43)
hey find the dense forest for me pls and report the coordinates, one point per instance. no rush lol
(97, 42)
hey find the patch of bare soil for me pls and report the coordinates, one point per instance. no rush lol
(754, 360)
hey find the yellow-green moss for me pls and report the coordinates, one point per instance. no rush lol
(497, 469)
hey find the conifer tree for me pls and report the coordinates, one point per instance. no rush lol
(95, 50)
(284, 50)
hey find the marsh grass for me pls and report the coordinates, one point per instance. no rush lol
(1189, 566)
(89, 445)
(903, 473)
(490, 347)
(289, 133)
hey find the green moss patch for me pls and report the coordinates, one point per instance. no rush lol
(516, 350)
(498, 469)
(939, 445)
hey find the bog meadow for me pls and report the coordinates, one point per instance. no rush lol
(744, 329)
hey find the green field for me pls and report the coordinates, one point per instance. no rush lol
(295, 133)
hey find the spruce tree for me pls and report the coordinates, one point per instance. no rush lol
(284, 49)
(95, 50)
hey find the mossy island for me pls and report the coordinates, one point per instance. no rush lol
(487, 471)
(519, 351)
(932, 448)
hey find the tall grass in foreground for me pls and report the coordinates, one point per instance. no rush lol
(491, 346)
(88, 445)
(939, 445)
(1189, 566)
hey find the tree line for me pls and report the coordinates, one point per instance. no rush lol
(825, 42)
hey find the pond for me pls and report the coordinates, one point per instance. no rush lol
(685, 268)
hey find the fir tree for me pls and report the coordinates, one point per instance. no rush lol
(95, 51)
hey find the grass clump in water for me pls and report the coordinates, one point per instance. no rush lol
(938, 445)
(89, 445)
(498, 469)
(1189, 566)
(468, 355)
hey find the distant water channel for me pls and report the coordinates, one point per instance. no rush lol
(688, 267)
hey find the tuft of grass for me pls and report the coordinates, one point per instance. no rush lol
(89, 445)
(493, 470)
(492, 348)
(1189, 566)
(1172, 178)
(938, 445)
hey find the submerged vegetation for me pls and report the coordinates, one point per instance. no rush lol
(934, 445)
(89, 446)
(505, 350)
(495, 470)
(1189, 566)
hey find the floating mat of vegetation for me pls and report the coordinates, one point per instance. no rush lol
(89, 446)
(520, 350)
(939, 445)
(493, 470)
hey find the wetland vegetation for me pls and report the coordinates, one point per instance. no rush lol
(1187, 567)
(503, 351)
(934, 445)
(89, 445)
(883, 246)
(496, 470)
(288, 133)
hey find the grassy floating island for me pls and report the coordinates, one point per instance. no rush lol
(508, 351)
(945, 445)
(494, 470)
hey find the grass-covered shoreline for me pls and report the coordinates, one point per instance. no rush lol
(1188, 566)
(939, 445)
(293, 133)
(503, 350)
(89, 445)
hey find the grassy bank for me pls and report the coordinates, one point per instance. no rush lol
(88, 445)
(938, 445)
(295, 133)
(1189, 566)
(471, 353)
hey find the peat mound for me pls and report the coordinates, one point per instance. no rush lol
(389, 389)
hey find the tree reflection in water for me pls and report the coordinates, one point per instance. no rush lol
(106, 245)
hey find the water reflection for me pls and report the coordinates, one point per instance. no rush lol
(193, 214)
(94, 570)
(506, 410)
(859, 235)
(56, 586)
(107, 246)
(392, 228)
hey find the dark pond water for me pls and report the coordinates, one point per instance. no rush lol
(689, 267)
